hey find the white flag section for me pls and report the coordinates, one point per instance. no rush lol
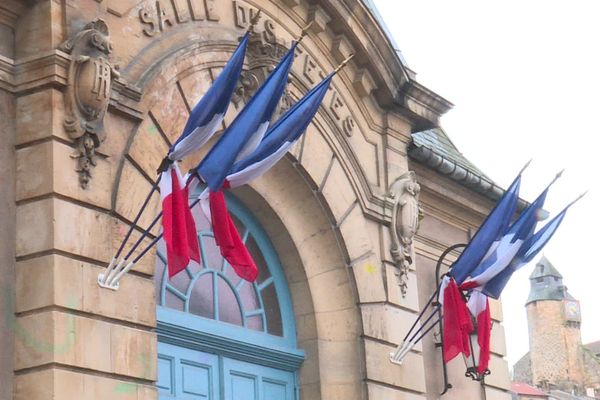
(498, 260)
(255, 170)
(196, 139)
(253, 141)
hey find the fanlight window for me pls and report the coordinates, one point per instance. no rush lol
(212, 289)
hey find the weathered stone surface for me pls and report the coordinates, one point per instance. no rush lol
(368, 275)
(411, 300)
(148, 147)
(314, 154)
(60, 337)
(337, 360)
(39, 30)
(338, 191)
(34, 170)
(387, 323)
(499, 378)
(35, 227)
(411, 374)
(62, 384)
(379, 392)
(57, 280)
(355, 235)
(338, 325)
(133, 190)
(40, 115)
(498, 340)
(332, 291)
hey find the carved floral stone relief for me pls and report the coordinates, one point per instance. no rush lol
(88, 93)
(406, 213)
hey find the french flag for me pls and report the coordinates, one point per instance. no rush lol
(492, 228)
(179, 229)
(207, 115)
(280, 137)
(456, 320)
(240, 139)
(532, 246)
(479, 307)
(504, 250)
(248, 128)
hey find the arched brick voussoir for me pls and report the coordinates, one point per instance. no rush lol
(323, 273)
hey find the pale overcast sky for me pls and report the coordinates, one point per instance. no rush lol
(525, 80)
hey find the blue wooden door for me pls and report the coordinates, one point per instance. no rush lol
(187, 374)
(246, 381)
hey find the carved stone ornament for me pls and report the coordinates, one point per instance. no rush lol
(406, 213)
(88, 93)
(263, 54)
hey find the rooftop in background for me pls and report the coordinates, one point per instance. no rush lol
(528, 390)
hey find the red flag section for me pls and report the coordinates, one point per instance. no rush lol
(479, 306)
(228, 239)
(457, 322)
(179, 229)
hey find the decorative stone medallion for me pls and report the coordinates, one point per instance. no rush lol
(406, 213)
(88, 93)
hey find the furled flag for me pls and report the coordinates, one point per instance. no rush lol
(208, 113)
(456, 321)
(179, 229)
(530, 248)
(456, 325)
(501, 254)
(282, 135)
(504, 250)
(241, 138)
(479, 306)
(248, 128)
(490, 230)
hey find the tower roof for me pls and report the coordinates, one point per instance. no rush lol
(546, 283)
(544, 268)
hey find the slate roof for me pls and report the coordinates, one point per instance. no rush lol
(544, 268)
(434, 148)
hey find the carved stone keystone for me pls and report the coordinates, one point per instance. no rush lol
(88, 93)
(406, 213)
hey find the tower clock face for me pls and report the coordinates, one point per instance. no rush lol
(572, 311)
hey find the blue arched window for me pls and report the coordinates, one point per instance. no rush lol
(221, 337)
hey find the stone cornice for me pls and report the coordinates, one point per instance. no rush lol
(396, 84)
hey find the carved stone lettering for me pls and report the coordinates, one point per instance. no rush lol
(406, 213)
(161, 15)
(164, 16)
(348, 125)
(309, 69)
(211, 10)
(148, 17)
(240, 14)
(197, 10)
(335, 105)
(181, 13)
(88, 93)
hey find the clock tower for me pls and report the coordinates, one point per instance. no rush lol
(554, 321)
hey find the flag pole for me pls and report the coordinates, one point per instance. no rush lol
(343, 64)
(118, 275)
(304, 32)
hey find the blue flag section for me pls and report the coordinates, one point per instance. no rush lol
(491, 230)
(282, 135)
(208, 113)
(247, 129)
(530, 248)
(502, 252)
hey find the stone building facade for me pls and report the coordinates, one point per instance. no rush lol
(557, 359)
(92, 92)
